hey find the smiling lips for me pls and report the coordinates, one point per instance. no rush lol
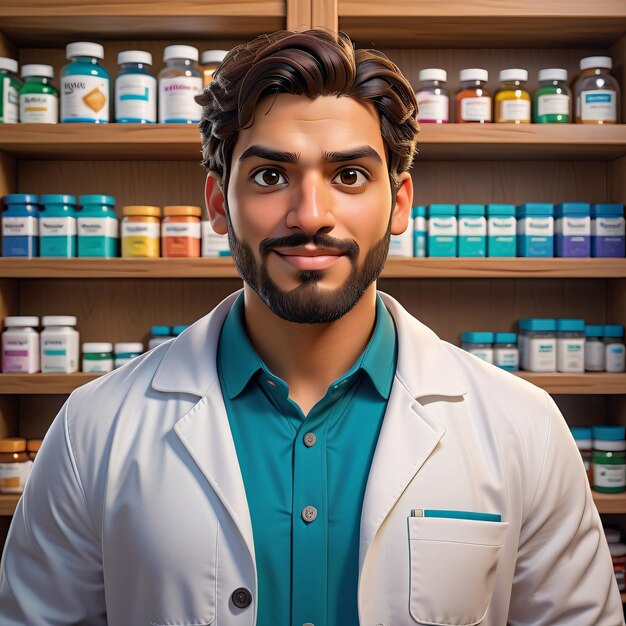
(310, 258)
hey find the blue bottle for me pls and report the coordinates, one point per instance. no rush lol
(535, 229)
(608, 233)
(418, 213)
(442, 230)
(572, 229)
(57, 225)
(472, 230)
(20, 225)
(98, 228)
(135, 89)
(501, 230)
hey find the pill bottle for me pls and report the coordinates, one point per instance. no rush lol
(594, 348)
(419, 231)
(179, 81)
(609, 459)
(613, 535)
(607, 230)
(98, 357)
(39, 99)
(20, 225)
(59, 344)
(597, 92)
(501, 230)
(535, 230)
(618, 556)
(505, 351)
(537, 344)
(9, 91)
(84, 84)
(472, 230)
(433, 98)
(614, 354)
(159, 335)
(20, 345)
(442, 230)
(572, 229)
(181, 231)
(402, 245)
(479, 344)
(211, 60)
(135, 89)
(32, 447)
(570, 346)
(179, 329)
(57, 226)
(213, 244)
(141, 231)
(14, 465)
(584, 442)
(552, 101)
(473, 100)
(512, 99)
(125, 352)
(98, 234)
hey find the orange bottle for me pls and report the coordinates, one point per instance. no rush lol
(181, 231)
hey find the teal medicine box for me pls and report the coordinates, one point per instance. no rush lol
(98, 234)
(501, 230)
(535, 229)
(418, 214)
(57, 226)
(472, 230)
(442, 230)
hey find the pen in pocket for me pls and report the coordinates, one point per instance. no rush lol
(470, 515)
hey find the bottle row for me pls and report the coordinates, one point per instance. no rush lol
(16, 460)
(85, 87)
(618, 555)
(552, 345)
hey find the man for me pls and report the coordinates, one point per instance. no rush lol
(308, 453)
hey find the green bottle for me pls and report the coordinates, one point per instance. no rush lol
(553, 100)
(39, 100)
(9, 91)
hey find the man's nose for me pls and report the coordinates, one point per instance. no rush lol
(312, 206)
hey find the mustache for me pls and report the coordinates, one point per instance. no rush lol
(347, 246)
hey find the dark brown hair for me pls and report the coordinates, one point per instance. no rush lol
(311, 63)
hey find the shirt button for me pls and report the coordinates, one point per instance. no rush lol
(309, 440)
(309, 513)
(271, 383)
(241, 598)
(308, 624)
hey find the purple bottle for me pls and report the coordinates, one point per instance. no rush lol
(572, 229)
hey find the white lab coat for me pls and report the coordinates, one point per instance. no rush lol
(135, 513)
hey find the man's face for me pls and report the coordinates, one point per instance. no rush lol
(310, 205)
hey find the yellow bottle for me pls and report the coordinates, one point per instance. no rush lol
(512, 99)
(141, 231)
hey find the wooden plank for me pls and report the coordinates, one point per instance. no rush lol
(610, 502)
(325, 15)
(43, 383)
(588, 383)
(298, 14)
(8, 504)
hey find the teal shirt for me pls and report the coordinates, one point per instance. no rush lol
(307, 569)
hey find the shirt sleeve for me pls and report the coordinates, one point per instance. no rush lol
(564, 573)
(51, 572)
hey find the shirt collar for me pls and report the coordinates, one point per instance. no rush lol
(239, 360)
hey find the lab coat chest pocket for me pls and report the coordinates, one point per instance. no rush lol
(453, 569)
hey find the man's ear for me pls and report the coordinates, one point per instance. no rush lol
(214, 198)
(402, 208)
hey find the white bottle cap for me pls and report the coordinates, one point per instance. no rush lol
(213, 56)
(433, 73)
(128, 347)
(473, 74)
(91, 348)
(134, 56)
(180, 52)
(589, 62)
(514, 74)
(8, 64)
(553, 73)
(13, 321)
(59, 320)
(84, 49)
(47, 71)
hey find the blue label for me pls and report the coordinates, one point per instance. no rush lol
(132, 96)
(598, 97)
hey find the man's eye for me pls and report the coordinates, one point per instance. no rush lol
(269, 178)
(351, 177)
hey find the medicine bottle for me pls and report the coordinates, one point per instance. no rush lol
(9, 91)
(473, 100)
(609, 459)
(618, 557)
(419, 231)
(20, 225)
(479, 344)
(608, 232)
(537, 344)
(613, 535)
(535, 230)
(84, 84)
(39, 99)
(211, 60)
(98, 234)
(402, 245)
(179, 81)
(125, 352)
(472, 230)
(615, 352)
(135, 89)
(570, 346)
(98, 357)
(512, 99)
(14, 465)
(597, 92)
(181, 231)
(572, 229)
(442, 230)
(59, 345)
(160, 334)
(584, 443)
(179, 329)
(501, 230)
(594, 348)
(32, 447)
(57, 226)
(141, 231)
(213, 244)
(20, 345)
(552, 102)
(505, 351)
(433, 98)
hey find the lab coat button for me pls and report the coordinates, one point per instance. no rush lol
(309, 440)
(308, 624)
(241, 598)
(309, 513)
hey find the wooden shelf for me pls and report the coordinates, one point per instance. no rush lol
(38, 384)
(150, 142)
(482, 24)
(395, 267)
(8, 504)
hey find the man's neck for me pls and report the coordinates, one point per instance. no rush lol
(309, 357)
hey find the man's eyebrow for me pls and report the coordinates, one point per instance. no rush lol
(293, 157)
(352, 155)
(269, 155)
